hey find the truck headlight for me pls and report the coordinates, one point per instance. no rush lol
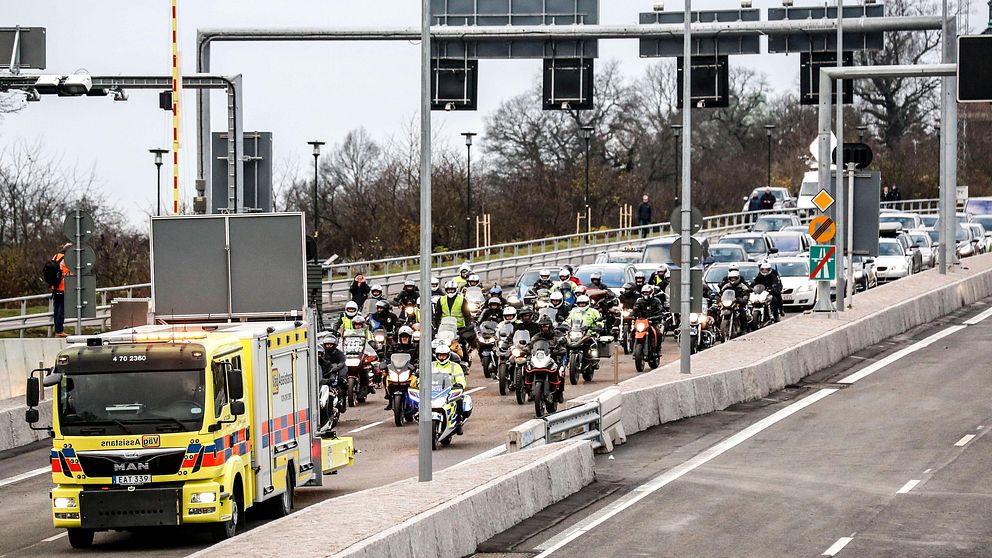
(65, 502)
(203, 498)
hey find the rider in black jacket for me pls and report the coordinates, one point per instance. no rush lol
(385, 318)
(408, 296)
(770, 279)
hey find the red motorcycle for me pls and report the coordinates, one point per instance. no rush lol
(647, 343)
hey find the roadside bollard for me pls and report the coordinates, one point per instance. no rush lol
(616, 364)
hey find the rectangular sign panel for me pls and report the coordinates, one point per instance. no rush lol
(728, 44)
(33, 48)
(822, 262)
(975, 69)
(824, 41)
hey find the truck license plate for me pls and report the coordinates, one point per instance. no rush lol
(132, 479)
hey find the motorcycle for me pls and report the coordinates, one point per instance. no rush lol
(702, 334)
(401, 376)
(730, 322)
(408, 315)
(475, 300)
(583, 352)
(543, 377)
(330, 399)
(761, 310)
(647, 343)
(502, 357)
(360, 360)
(518, 363)
(447, 333)
(450, 407)
(624, 330)
(487, 344)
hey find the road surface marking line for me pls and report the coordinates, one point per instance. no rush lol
(28, 475)
(837, 546)
(473, 390)
(927, 472)
(979, 318)
(54, 538)
(872, 368)
(366, 427)
(908, 486)
(498, 450)
(964, 440)
(673, 474)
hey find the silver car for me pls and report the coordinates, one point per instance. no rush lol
(892, 262)
(922, 241)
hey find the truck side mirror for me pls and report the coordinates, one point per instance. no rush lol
(237, 408)
(33, 394)
(235, 386)
(31, 416)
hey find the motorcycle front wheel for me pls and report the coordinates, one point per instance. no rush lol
(519, 382)
(398, 400)
(538, 394)
(501, 371)
(351, 391)
(639, 357)
(574, 363)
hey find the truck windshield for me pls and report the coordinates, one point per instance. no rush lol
(131, 402)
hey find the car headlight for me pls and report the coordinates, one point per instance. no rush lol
(203, 498)
(804, 289)
(65, 502)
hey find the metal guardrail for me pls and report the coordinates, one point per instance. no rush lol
(496, 263)
(582, 423)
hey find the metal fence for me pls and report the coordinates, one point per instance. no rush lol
(498, 263)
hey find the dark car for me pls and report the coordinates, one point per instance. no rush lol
(757, 245)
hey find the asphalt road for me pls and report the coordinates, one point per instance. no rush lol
(387, 454)
(897, 463)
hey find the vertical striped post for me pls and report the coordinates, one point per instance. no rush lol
(175, 111)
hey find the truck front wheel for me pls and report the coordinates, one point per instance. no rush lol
(229, 528)
(80, 538)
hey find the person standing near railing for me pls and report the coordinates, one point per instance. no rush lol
(54, 273)
(644, 214)
(359, 290)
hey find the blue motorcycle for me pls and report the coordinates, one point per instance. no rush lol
(450, 407)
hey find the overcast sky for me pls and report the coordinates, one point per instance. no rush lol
(298, 91)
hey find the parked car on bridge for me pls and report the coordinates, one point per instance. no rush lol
(921, 240)
(909, 221)
(978, 206)
(726, 253)
(980, 233)
(777, 222)
(929, 220)
(525, 281)
(660, 251)
(612, 273)
(798, 290)
(757, 244)
(783, 199)
(791, 243)
(892, 262)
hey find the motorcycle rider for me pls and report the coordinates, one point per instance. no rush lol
(639, 280)
(557, 302)
(343, 323)
(584, 311)
(375, 295)
(493, 311)
(384, 318)
(334, 372)
(629, 295)
(735, 283)
(526, 321)
(464, 271)
(436, 289)
(543, 281)
(408, 296)
(770, 279)
(445, 364)
(571, 275)
(453, 304)
(649, 307)
(497, 291)
(473, 281)
(546, 332)
(565, 286)
(404, 344)
(660, 278)
(596, 281)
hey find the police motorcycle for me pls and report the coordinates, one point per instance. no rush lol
(518, 363)
(360, 358)
(450, 406)
(400, 378)
(487, 340)
(583, 351)
(760, 302)
(731, 325)
(543, 377)
(502, 357)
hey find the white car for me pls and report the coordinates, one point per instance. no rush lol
(921, 240)
(892, 262)
(798, 290)
(783, 199)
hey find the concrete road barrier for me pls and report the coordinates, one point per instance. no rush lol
(18, 357)
(14, 432)
(450, 516)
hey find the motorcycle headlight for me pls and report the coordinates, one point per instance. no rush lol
(626, 313)
(472, 307)
(393, 376)
(352, 361)
(410, 310)
(728, 303)
(516, 352)
(693, 318)
(575, 335)
(640, 327)
(541, 304)
(380, 338)
(405, 376)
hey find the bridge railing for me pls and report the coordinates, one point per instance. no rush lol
(500, 263)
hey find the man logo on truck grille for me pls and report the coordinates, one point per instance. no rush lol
(122, 467)
(152, 441)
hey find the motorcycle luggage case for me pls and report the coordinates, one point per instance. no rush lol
(605, 346)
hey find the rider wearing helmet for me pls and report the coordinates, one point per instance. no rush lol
(660, 278)
(543, 281)
(639, 280)
(383, 317)
(770, 279)
(571, 274)
(649, 307)
(526, 321)
(344, 322)
(558, 303)
(408, 296)
(444, 364)
(464, 271)
(404, 344)
(332, 362)
(493, 311)
(452, 304)
(375, 295)
(360, 325)
(629, 295)
(546, 332)
(565, 286)
(584, 311)
(473, 281)
(735, 283)
(436, 289)
(497, 292)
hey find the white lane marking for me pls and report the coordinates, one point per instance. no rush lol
(927, 472)
(908, 486)
(366, 427)
(872, 368)
(473, 390)
(964, 440)
(979, 318)
(498, 450)
(55, 537)
(673, 474)
(837, 546)
(28, 475)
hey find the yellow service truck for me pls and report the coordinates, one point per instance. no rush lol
(200, 416)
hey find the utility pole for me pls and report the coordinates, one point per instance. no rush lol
(768, 132)
(587, 135)
(677, 128)
(842, 200)
(316, 155)
(468, 191)
(425, 459)
(685, 264)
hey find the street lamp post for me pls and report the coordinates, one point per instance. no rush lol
(587, 136)
(316, 155)
(677, 128)
(768, 132)
(158, 164)
(468, 189)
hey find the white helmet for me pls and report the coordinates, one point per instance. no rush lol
(405, 330)
(435, 282)
(734, 274)
(464, 270)
(375, 288)
(450, 287)
(545, 274)
(351, 309)
(647, 290)
(582, 301)
(556, 297)
(473, 280)
(765, 268)
(442, 350)
(509, 313)
(564, 274)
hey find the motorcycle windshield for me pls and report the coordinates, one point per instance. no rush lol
(488, 328)
(542, 347)
(577, 324)
(521, 337)
(474, 294)
(353, 344)
(728, 296)
(400, 360)
(506, 330)
(549, 312)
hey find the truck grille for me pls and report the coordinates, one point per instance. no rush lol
(115, 509)
(107, 464)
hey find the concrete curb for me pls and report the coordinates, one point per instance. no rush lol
(450, 516)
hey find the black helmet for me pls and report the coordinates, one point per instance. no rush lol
(628, 286)
(526, 313)
(545, 323)
(381, 306)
